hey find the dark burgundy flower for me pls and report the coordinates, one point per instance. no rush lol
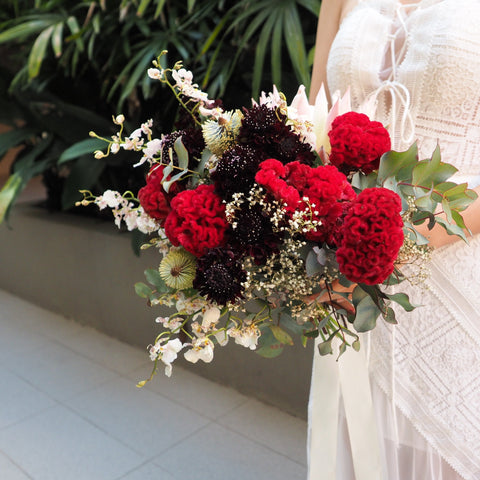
(192, 139)
(236, 170)
(266, 130)
(220, 276)
(253, 234)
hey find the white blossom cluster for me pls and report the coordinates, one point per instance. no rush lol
(124, 209)
(204, 335)
(150, 147)
(184, 84)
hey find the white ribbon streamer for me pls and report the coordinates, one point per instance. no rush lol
(323, 411)
(347, 377)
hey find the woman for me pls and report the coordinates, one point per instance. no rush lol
(420, 62)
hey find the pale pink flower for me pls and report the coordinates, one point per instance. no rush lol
(146, 128)
(272, 100)
(155, 74)
(110, 198)
(317, 118)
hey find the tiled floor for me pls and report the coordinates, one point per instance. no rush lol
(69, 410)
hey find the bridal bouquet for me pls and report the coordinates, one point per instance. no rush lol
(275, 220)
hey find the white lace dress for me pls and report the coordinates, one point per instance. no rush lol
(422, 62)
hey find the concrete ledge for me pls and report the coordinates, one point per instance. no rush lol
(85, 269)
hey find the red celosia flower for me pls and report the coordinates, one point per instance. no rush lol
(357, 143)
(330, 192)
(197, 220)
(271, 175)
(326, 188)
(153, 198)
(372, 234)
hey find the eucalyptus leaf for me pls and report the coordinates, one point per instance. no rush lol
(325, 348)
(206, 155)
(342, 349)
(182, 153)
(344, 281)
(270, 347)
(452, 229)
(153, 277)
(168, 183)
(426, 202)
(424, 171)
(432, 171)
(311, 334)
(362, 181)
(312, 266)
(458, 219)
(447, 210)
(403, 300)
(394, 164)
(288, 322)
(366, 316)
(281, 335)
(142, 290)
(358, 295)
(389, 317)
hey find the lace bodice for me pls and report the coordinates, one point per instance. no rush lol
(437, 60)
(422, 64)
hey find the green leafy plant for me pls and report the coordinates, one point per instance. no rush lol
(68, 64)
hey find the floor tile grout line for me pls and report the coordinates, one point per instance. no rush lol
(198, 410)
(143, 464)
(17, 465)
(91, 359)
(251, 439)
(176, 444)
(28, 418)
(101, 429)
(54, 398)
(127, 375)
(79, 414)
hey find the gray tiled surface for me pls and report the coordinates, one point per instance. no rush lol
(69, 410)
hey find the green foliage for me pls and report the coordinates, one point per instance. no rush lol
(82, 61)
(427, 182)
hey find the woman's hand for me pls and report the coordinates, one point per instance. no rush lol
(331, 295)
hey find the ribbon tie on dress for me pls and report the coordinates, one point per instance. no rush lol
(399, 94)
(400, 97)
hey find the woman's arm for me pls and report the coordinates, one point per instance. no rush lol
(328, 23)
(438, 237)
